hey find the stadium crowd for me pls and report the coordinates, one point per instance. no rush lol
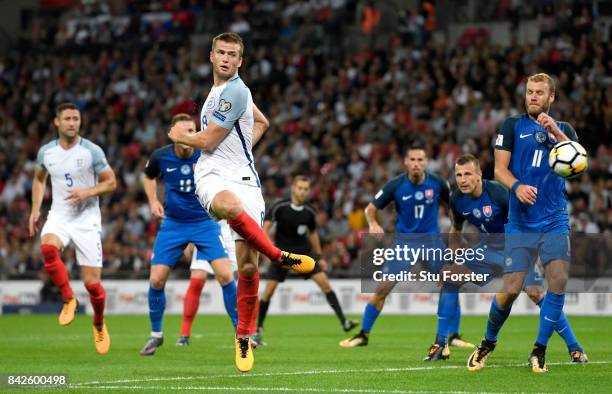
(339, 115)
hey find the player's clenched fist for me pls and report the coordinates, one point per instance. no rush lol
(176, 132)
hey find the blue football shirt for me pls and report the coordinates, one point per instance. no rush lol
(181, 202)
(416, 205)
(530, 145)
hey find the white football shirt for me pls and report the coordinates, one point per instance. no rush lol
(75, 168)
(230, 106)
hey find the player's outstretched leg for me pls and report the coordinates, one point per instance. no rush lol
(55, 268)
(191, 302)
(248, 229)
(97, 296)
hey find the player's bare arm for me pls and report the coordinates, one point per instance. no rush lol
(260, 126)
(38, 190)
(207, 139)
(370, 214)
(549, 124)
(107, 182)
(526, 194)
(150, 188)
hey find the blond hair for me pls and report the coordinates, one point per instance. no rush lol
(230, 37)
(543, 77)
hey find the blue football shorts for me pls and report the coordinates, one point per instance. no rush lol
(173, 237)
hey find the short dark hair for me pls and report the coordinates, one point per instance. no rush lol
(231, 38)
(467, 158)
(182, 117)
(301, 178)
(415, 145)
(64, 106)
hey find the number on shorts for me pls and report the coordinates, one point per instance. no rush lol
(262, 218)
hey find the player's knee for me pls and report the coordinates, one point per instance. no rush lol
(378, 300)
(556, 279)
(248, 269)
(505, 300)
(157, 282)
(224, 277)
(227, 205)
(535, 293)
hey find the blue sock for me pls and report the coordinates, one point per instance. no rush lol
(229, 300)
(370, 314)
(564, 329)
(453, 328)
(550, 316)
(497, 318)
(447, 308)
(157, 305)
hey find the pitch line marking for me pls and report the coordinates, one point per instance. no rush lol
(314, 372)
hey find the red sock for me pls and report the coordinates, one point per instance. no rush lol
(97, 296)
(248, 229)
(248, 289)
(57, 270)
(191, 302)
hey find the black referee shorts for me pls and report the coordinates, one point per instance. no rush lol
(277, 273)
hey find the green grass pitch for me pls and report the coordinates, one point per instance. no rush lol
(302, 355)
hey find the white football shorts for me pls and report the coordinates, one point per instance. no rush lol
(85, 236)
(250, 197)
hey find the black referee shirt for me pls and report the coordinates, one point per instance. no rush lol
(293, 223)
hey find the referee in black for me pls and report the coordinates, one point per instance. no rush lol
(296, 232)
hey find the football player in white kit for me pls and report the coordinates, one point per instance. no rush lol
(227, 183)
(79, 174)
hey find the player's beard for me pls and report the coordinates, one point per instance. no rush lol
(542, 108)
(415, 176)
(70, 136)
